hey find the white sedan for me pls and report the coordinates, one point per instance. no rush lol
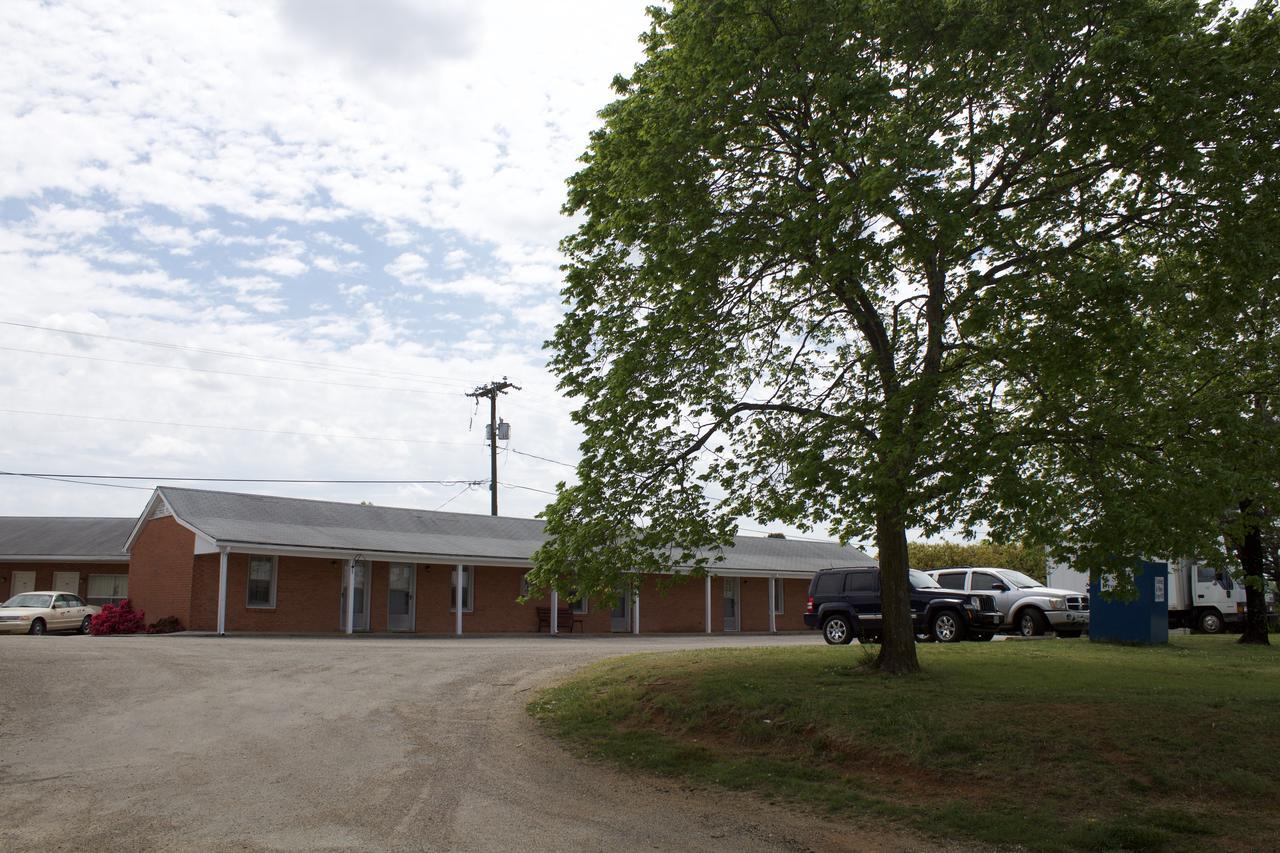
(41, 612)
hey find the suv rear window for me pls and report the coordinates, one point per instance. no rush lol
(829, 584)
(860, 582)
(951, 580)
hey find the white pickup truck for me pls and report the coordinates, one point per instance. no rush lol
(1030, 608)
(1200, 597)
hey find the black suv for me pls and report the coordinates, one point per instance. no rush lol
(845, 603)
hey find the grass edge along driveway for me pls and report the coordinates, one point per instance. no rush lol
(1053, 745)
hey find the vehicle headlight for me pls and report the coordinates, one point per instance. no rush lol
(975, 602)
(1057, 604)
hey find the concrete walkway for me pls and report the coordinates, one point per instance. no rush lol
(186, 742)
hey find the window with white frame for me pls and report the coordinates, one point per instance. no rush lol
(107, 589)
(579, 606)
(524, 585)
(261, 588)
(467, 583)
(779, 597)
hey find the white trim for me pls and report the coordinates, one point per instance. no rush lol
(350, 616)
(635, 611)
(222, 592)
(555, 613)
(146, 516)
(239, 547)
(708, 603)
(469, 600)
(457, 598)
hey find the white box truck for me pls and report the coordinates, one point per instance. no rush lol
(1199, 597)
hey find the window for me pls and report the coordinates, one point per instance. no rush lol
(75, 601)
(262, 582)
(829, 584)
(983, 581)
(467, 579)
(107, 589)
(579, 606)
(860, 582)
(779, 597)
(63, 601)
(524, 585)
(951, 580)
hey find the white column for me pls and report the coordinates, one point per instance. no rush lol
(773, 611)
(351, 596)
(222, 592)
(635, 611)
(708, 604)
(457, 600)
(555, 613)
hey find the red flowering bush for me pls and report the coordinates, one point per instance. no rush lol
(118, 619)
(167, 625)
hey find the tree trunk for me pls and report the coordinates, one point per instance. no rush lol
(898, 640)
(1252, 560)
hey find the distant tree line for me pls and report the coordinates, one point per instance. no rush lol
(1028, 559)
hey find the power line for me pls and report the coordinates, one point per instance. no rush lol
(492, 391)
(76, 482)
(465, 489)
(228, 372)
(44, 475)
(543, 458)
(237, 429)
(526, 488)
(396, 374)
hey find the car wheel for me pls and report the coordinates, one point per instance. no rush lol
(836, 631)
(84, 624)
(1031, 623)
(1211, 622)
(1068, 635)
(945, 627)
(37, 627)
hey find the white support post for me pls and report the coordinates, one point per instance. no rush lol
(351, 597)
(773, 610)
(555, 613)
(708, 604)
(457, 600)
(635, 611)
(222, 591)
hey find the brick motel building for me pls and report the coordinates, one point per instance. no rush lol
(229, 562)
(82, 556)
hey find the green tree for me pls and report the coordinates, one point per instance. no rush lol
(824, 244)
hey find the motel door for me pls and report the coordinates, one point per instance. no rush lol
(361, 609)
(400, 597)
(23, 582)
(620, 623)
(66, 582)
(732, 603)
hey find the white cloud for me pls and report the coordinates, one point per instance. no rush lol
(285, 265)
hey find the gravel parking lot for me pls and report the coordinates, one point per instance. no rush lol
(190, 742)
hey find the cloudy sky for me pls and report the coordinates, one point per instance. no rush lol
(283, 239)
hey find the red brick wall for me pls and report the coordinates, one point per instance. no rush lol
(45, 571)
(308, 595)
(160, 570)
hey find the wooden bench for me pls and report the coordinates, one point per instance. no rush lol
(564, 616)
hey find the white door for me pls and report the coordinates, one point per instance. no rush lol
(732, 603)
(66, 582)
(620, 618)
(23, 582)
(400, 597)
(360, 610)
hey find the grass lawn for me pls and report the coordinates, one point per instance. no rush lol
(1055, 745)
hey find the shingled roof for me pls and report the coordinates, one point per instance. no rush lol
(230, 518)
(53, 537)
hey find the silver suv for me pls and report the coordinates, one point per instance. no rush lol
(1030, 608)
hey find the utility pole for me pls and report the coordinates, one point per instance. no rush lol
(497, 430)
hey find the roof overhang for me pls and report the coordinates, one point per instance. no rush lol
(55, 558)
(278, 550)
